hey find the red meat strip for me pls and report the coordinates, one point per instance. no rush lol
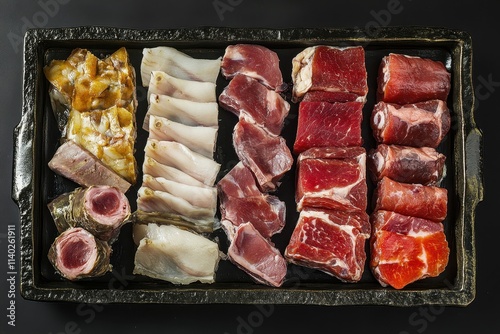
(403, 79)
(267, 156)
(423, 124)
(405, 249)
(255, 255)
(332, 178)
(330, 74)
(247, 98)
(406, 164)
(255, 61)
(323, 124)
(331, 241)
(241, 201)
(414, 200)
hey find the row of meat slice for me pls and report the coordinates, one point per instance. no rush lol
(177, 200)
(409, 122)
(250, 215)
(330, 83)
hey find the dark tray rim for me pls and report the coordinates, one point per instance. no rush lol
(467, 151)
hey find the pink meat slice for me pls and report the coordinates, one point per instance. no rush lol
(332, 178)
(267, 156)
(331, 241)
(255, 61)
(405, 249)
(255, 255)
(404, 79)
(422, 124)
(241, 202)
(323, 124)
(249, 99)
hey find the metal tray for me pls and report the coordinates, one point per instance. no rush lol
(37, 137)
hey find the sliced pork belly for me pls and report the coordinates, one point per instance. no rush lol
(255, 61)
(332, 178)
(182, 111)
(241, 201)
(423, 124)
(323, 124)
(79, 165)
(414, 200)
(330, 241)
(405, 249)
(267, 156)
(200, 139)
(405, 79)
(247, 98)
(406, 164)
(163, 84)
(255, 255)
(330, 74)
(177, 64)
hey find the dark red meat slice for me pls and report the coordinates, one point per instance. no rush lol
(255, 61)
(414, 200)
(247, 98)
(331, 241)
(406, 164)
(405, 249)
(323, 124)
(403, 79)
(267, 156)
(332, 178)
(423, 124)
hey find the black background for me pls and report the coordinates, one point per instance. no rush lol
(476, 17)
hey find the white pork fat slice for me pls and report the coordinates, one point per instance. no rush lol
(162, 83)
(156, 169)
(175, 255)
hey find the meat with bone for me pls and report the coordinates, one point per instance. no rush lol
(267, 156)
(414, 200)
(255, 255)
(405, 249)
(332, 178)
(101, 210)
(79, 165)
(248, 99)
(255, 61)
(331, 241)
(404, 79)
(198, 91)
(406, 164)
(175, 255)
(77, 254)
(330, 74)
(323, 124)
(178, 64)
(241, 201)
(422, 124)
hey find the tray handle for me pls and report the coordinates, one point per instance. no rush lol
(23, 160)
(473, 165)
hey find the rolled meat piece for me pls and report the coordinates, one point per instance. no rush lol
(404, 79)
(414, 200)
(77, 254)
(406, 164)
(423, 124)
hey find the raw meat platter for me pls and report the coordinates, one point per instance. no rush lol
(37, 137)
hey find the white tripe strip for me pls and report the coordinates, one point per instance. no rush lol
(162, 83)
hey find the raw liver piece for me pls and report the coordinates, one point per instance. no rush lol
(247, 98)
(405, 249)
(323, 124)
(332, 178)
(403, 79)
(267, 156)
(406, 164)
(339, 73)
(255, 61)
(331, 241)
(423, 124)
(414, 200)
